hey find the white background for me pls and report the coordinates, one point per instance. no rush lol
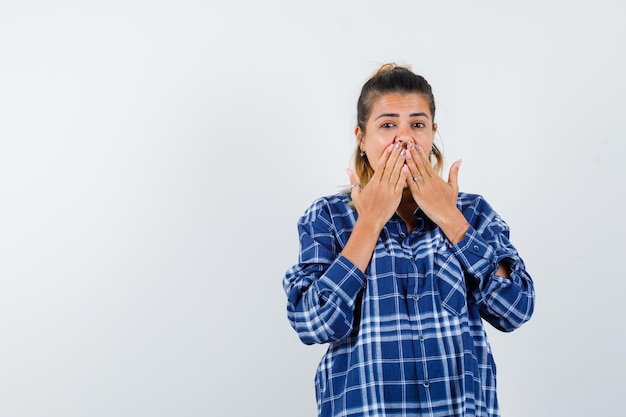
(156, 155)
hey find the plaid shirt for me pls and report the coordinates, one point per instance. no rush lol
(406, 338)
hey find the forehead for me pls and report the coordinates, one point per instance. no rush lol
(401, 104)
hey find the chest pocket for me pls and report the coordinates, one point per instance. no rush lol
(451, 282)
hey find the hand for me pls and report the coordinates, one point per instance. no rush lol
(436, 197)
(380, 198)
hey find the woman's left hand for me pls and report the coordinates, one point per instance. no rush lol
(436, 197)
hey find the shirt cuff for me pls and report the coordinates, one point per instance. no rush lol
(476, 256)
(342, 280)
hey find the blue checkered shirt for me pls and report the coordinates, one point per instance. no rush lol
(407, 337)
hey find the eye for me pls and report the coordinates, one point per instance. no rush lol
(419, 125)
(387, 125)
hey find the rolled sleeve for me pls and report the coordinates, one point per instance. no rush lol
(342, 281)
(506, 303)
(476, 255)
(323, 287)
(321, 307)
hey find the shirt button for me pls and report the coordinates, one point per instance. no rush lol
(421, 337)
(476, 248)
(416, 297)
(426, 384)
(402, 235)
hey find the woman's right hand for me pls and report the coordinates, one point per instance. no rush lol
(377, 201)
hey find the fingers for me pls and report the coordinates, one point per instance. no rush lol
(405, 178)
(390, 164)
(379, 198)
(453, 176)
(422, 162)
(355, 183)
(382, 163)
(396, 175)
(415, 163)
(354, 179)
(399, 164)
(413, 177)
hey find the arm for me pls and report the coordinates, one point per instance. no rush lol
(496, 276)
(323, 287)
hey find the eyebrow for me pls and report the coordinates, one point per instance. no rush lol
(397, 115)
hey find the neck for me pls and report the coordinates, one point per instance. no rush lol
(406, 209)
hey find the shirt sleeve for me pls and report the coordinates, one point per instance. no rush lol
(506, 303)
(322, 288)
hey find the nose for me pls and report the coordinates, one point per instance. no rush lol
(404, 135)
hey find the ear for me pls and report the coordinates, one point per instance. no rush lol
(358, 133)
(434, 127)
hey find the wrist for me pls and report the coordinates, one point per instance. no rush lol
(455, 228)
(368, 226)
(459, 234)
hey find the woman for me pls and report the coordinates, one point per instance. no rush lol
(397, 274)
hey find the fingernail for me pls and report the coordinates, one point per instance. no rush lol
(398, 144)
(403, 152)
(410, 145)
